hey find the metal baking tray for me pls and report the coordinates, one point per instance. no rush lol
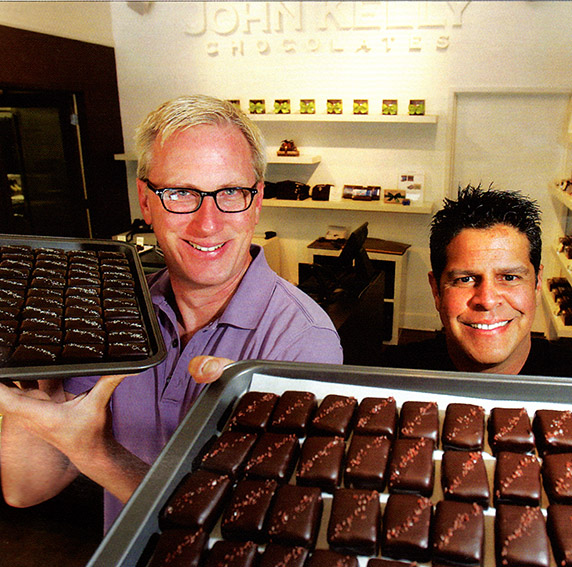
(130, 538)
(156, 344)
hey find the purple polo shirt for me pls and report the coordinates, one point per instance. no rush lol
(267, 318)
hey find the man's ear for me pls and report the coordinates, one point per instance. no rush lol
(539, 279)
(435, 290)
(258, 201)
(143, 195)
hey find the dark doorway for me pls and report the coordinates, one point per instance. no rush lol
(41, 165)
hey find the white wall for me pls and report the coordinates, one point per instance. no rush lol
(84, 21)
(323, 50)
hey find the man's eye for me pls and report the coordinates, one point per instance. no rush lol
(463, 280)
(510, 278)
(178, 194)
(230, 191)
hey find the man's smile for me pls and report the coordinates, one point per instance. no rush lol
(487, 326)
(205, 248)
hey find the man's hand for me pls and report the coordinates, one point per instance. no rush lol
(206, 369)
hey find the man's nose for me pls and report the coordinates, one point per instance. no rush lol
(208, 218)
(487, 295)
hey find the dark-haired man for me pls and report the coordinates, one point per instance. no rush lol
(486, 278)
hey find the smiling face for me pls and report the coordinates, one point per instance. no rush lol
(487, 299)
(207, 249)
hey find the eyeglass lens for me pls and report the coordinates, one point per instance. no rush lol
(230, 200)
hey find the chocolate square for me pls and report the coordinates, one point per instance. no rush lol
(253, 411)
(377, 416)
(228, 452)
(178, 547)
(464, 477)
(559, 527)
(276, 555)
(295, 516)
(458, 533)
(553, 431)
(321, 462)
(419, 419)
(464, 427)
(334, 416)
(232, 554)
(366, 462)
(354, 521)
(510, 430)
(406, 527)
(329, 558)
(517, 479)
(273, 456)
(411, 468)
(557, 476)
(293, 412)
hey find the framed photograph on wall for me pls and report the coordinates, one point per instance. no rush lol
(413, 185)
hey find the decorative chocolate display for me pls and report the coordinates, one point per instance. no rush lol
(464, 427)
(458, 533)
(510, 430)
(406, 527)
(354, 521)
(517, 479)
(321, 462)
(464, 477)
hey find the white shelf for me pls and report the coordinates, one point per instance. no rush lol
(356, 118)
(125, 157)
(565, 263)
(562, 330)
(350, 205)
(302, 159)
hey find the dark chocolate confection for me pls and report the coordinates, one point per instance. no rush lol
(111, 292)
(377, 416)
(464, 427)
(7, 340)
(253, 411)
(89, 311)
(520, 536)
(244, 517)
(86, 336)
(40, 337)
(35, 354)
(557, 476)
(12, 283)
(80, 351)
(47, 301)
(82, 300)
(293, 412)
(276, 555)
(273, 456)
(406, 527)
(321, 462)
(329, 558)
(179, 548)
(559, 528)
(354, 521)
(376, 562)
(41, 324)
(197, 501)
(232, 554)
(517, 479)
(130, 336)
(83, 323)
(458, 533)
(5, 350)
(334, 415)
(464, 477)
(46, 311)
(229, 452)
(8, 326)
(366, 462)
(553, 431)
(121, 313)
(510, 430)
(411, 467)
(127, 350)
(124, 325)
(8, 312)
(76, 291)
(47, 282)
(115, 302)
(419, 419)
(295, 515)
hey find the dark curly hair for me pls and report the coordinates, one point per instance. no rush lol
(479, 208)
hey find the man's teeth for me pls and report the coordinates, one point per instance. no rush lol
(485, 327)
(206, 248)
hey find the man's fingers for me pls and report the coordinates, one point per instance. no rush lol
(205, 369)
(104, 388)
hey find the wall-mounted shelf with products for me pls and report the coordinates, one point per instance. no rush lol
(350, 205)
(302, 159)
(358, 118)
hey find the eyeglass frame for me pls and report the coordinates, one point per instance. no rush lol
(202, 194)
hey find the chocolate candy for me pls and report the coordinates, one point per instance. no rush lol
(557, 476)
(411, 467)
(510, 430)
(419, 419)
(559, 526)
(406, 527)
(458, 533)
(464, 477)
(253, 411)
(366, 462)
(293, 412)
(179, 547)
(232, 554)
(354, 521)
(377, 416)
(553, 431)
(328, 558)
(228, 452)
(197, 501)
(334, 416)
(517, 479)
(273, 456)
(520, 536)
(295, 516)
(276, 555)
(321, 462)
(464, 427)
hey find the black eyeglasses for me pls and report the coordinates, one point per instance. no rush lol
(183, 201)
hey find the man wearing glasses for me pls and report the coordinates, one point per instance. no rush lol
(200, 183)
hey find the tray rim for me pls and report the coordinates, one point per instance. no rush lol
(61, 371)
(125, 542)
